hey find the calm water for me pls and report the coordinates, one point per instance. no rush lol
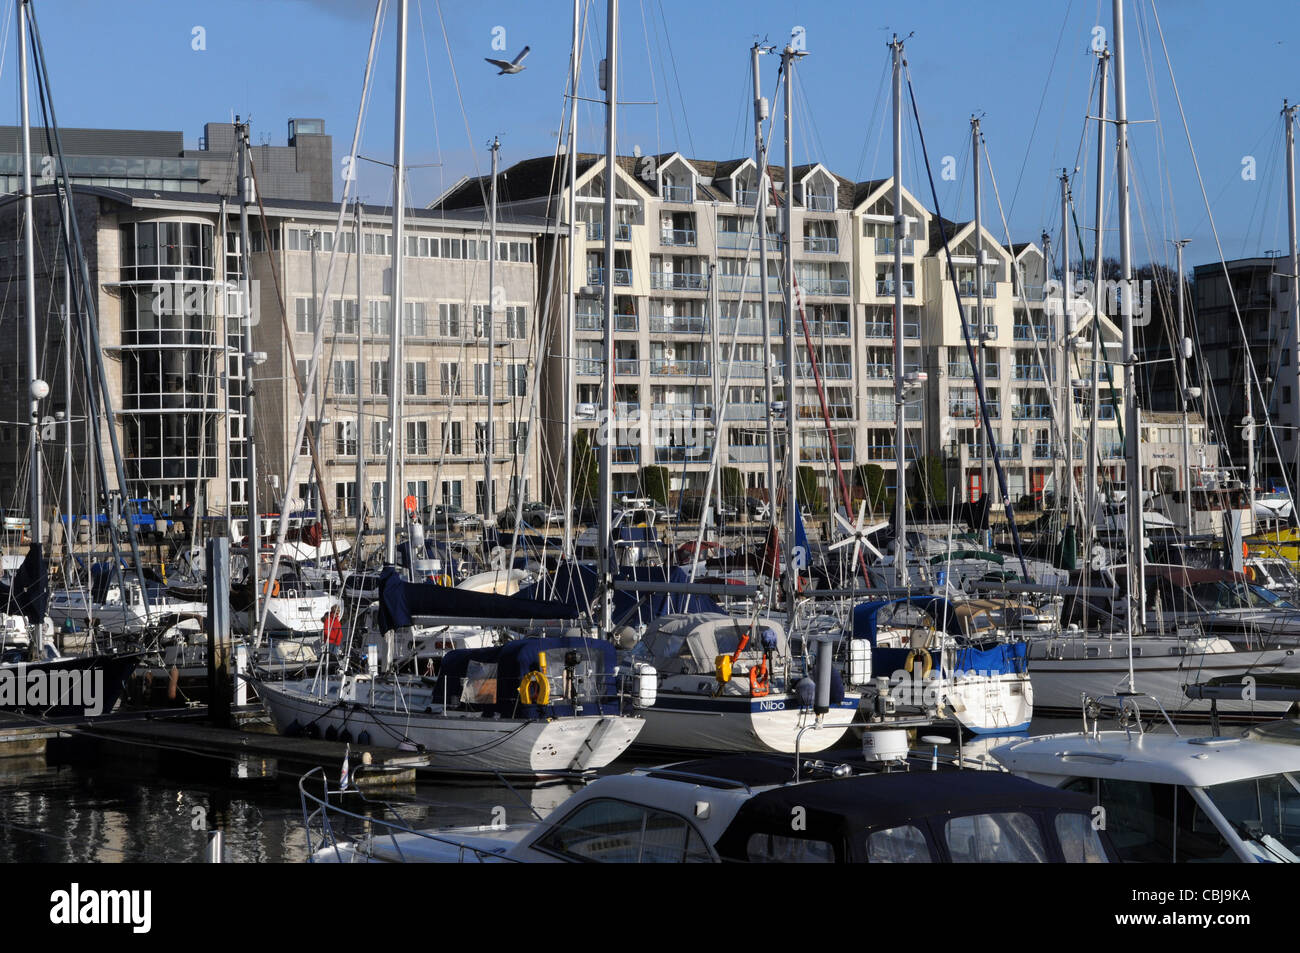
(66, 806)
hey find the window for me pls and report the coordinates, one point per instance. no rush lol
(898, 845)
(449, 320)
(380, 313)
(453, 492)
(1008, 837)
(481, 312)
(345, 378)
(480, 380)
(1080, 844)
(519, 437)
(480, 439)
(379, 437)
(345, 316)
(617, 832)
(451, 438)
(379, 377)
(420, 490)
(517, 380)
(413, 319)
(379, 498)
(377, 244)
(417, 438)
(345, 498)
(305, 315)
(778, 849)
(449, 377)
(516, 322)
(417, 384)
(345, 438)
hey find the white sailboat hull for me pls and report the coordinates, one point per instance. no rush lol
(1161, 671)
(461, 742)
(729, 724)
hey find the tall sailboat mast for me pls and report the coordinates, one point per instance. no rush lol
(254, 534)
(488, 509)
(571, 300)
(1068, 548)
(1288, 112)
(900, 224)
(792, 561)
(396, 377)
(1185, 386)
(1132, 444)
(760, 207)
(606, 481)
(1099, 212)
(360, 431)
(979, 301)
(36, 387)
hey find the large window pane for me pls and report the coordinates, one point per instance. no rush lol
(1006, 838)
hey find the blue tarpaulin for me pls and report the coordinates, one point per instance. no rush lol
(577, 587)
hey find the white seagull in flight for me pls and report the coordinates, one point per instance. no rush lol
(510, 67)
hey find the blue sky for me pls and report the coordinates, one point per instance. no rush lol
(1024, 66)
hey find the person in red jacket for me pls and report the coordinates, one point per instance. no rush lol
(332, 622)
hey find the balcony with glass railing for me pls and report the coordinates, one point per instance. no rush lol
(828, 371)
(677, 236)
(886, 288)
(739, 370)
(748, 284)
(752, 327)
(1031, 412)
(1005, 451)
(681, 410)
(814, 449)
(678, 281)
(744, 412)
(821, 244)
(627, 366)
(596, 232)
(885, 329)
(746, 240)
(678, 324)
(588, 366)
(595, 321)
(747, 454)
(1044, 451)
(826, 329)
(596, 276)
(817, 202)
(625, 454)
(885, 246)
(682, 454)
(834, 411)
(677, 193)
(823, 286)
(1031, 332)
(1030, 292)
(969, 289)
(674, 368)
(747, 198)
(1026, 372)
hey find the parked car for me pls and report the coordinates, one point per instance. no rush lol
(535, 514)
(448, 516)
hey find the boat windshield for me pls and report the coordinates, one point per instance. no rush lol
(1227, 595)
(1264, 812)
(1272, 598)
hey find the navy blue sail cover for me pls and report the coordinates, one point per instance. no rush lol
(29, 594)
(400, 600)
(577, 586)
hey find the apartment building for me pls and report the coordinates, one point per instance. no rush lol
(165, 269)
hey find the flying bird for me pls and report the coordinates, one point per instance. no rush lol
(510, 67)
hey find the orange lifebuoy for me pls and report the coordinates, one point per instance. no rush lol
(759, 682)
(273, 588)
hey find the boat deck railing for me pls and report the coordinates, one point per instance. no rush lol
(324, 822)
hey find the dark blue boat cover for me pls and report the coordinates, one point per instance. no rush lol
(399, 600)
